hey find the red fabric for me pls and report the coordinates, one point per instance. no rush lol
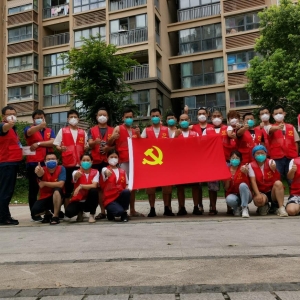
(264, 181)
(266, 139)
(111, 188)
(183, 161)
(122, 144)
(295, 186)
(238, 178)
(46, 192)
(10, 150)
(97, 156)
(163, 132)
(192, 134)
(283, 145)
(82, 180)
(71, 157)
(197, 128)
(40, 151)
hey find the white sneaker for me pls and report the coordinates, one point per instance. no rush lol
(263, 210)
(281, 212)
(237, 212)
(245, 212)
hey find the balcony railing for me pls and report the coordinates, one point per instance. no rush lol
(54, 100)
(56, 11)
(122, 4)
(55, 40)
(22, 67)
(29, 96)
(23, 37)
(199, 12)
(129, 37)
(137, 73)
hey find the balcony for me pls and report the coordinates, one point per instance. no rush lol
(203, 79)
(54, 100)
(137, 73)
(122, 4)
(56, 11)
(56, 39)
(129, 37)
(198, 12)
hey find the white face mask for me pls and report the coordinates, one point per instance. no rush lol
(202, 118)
(279, 117)
(73, 121)
(217, 121)
(265, 117)
(113, 161)
(102, 119)
(233, 121)
(12, 118)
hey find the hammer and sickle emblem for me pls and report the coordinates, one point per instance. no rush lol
(156, 160)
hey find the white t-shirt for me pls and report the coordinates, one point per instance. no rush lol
(251, 171)
(58, 139)
(156, 132)
(117, 173)
(184, 133)
(296, 135)
(291, 164)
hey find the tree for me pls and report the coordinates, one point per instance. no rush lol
(274, 75)
(97, 78)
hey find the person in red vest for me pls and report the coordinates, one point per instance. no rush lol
(185, 132)
(265, 182)
(52, 179)
(248, 137)
(119, 138)
(40, 139)
(293, 204)
(237, 188)
(171, 121)
(153, 132)
(72, 142)
(85, 196)
(264, 115)
(114, 183)
(233, 118)
(97, 139)
(10, 158)
(283, 138)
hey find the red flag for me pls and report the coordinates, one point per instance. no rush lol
(161, 162)
(298, 122)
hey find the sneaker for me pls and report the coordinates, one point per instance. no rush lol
(168, 212)
(124, 217)
(197, 211)
(263, 210)
(79, 217)
(9, 221)
(274, 207)
(152, 213)
(237, 212)
(182, 211)
(245, 212)
(281, 212)
(36, 219)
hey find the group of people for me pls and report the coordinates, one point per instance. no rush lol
(95, 165)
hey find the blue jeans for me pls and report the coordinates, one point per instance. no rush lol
(120, 205)
(243, 199)
(282, 165)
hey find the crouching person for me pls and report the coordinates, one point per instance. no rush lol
(85, 195)
(51, 180)
(293, 204)
(114, 183)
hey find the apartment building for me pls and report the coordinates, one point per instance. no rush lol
(192, 52)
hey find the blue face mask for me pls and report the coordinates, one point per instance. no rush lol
(260, 157)
(38, 121)
(51, 164)
(235, 162)
(184, 124)
(251, 123)
(171, 122)
(86, 165)
(128, 121)
(155, 120)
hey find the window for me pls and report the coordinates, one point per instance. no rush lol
(56, 121)
(19, 93)
(53, 95)
(157, 31)
(129, 23)
(122, 4)
(142, 100)
(242, 23)
(239, 97)
(55, 8)
(203, 72)
(240, 60)
(199, 39)
(84, 5)
(54, 65)
(25, 62)
(23, 33)
(194, 3)
(25, 7)
(86, 33)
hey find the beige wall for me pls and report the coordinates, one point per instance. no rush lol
(2, 55)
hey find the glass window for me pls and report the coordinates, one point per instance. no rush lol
(53, 95)
(242, 23)
(141, 21)
(18, 9)
(84, 5)
(20, 63)
(56, 121)
(142, 100)
(239, 60)
(22, 33)
(54, 65)
(86, 33)
(27, 92)
(239, 97)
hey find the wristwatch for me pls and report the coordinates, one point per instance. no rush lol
(38, 143)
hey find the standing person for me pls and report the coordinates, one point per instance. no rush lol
(171, 122)
(40, 139)
(72, 142)
(264, 115)
(119, 137)
(265, 182)
(293, 204)
(97, 139)
(233, 118)
(85, 196)
(154, 132)
(10, 158)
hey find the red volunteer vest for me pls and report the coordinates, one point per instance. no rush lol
(82, 195)
(10, 150)
(264, 181)
(163, 132)
(295, 186)
(283, 145)
(71, 157)
(192, 134)
(46, 192)
(197, 128)
(245, 144)
(266, 138)
(122, 144)
(40, 151)
(111, 188)
(97, 156)
(238, 178)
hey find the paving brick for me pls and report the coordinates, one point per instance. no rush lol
(108, 297)
(187, 289)
(69, 297)
(29, 293)
(101, 290)
(251, 296)
(115, 290)
(8, 293)
(293, 295)
(154, 297)
(202, 296)
(20, 298)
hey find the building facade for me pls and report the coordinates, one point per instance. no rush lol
(193, 52)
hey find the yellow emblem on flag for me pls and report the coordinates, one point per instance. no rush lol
(156, 159)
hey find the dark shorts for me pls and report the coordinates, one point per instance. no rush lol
(69, 186)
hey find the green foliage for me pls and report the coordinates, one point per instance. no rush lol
(97, 78)
(275, 75)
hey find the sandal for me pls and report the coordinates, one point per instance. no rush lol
(213, 212)
(100, 216)
(201, 208)
(137, 214)
(54, 221)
